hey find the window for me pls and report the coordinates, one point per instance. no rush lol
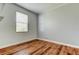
(21, 22)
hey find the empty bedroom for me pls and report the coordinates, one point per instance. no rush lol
(39, 28)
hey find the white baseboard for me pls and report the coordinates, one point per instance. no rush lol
(16, 43)
(39, 39)
(74, 46)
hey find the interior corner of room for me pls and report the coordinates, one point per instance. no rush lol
(52, 22)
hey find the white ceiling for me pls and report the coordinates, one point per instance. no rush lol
(40, 7)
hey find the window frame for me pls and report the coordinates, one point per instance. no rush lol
(22, 30)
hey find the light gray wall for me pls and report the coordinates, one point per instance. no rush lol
(8, 33)
(61, 24)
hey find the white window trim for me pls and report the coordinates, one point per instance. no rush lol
(21, 29)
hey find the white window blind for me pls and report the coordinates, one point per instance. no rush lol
(21, 22)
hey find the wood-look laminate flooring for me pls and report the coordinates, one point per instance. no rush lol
(39, 47)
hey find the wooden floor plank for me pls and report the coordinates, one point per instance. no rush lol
(40, 47)
(35, 47)
(42, 50)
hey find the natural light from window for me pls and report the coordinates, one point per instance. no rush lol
(21, 22)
